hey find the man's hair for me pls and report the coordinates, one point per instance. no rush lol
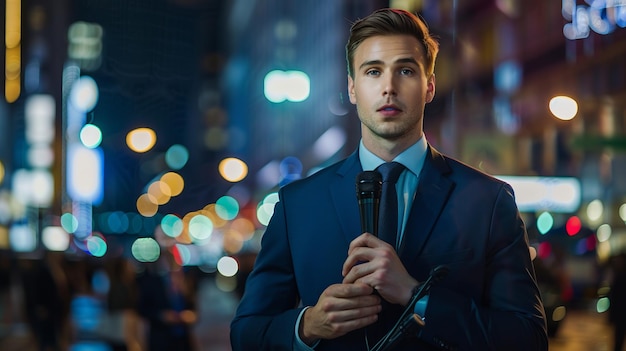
(392, 22)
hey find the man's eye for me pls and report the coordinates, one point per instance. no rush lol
(373, 72)
(406, 71)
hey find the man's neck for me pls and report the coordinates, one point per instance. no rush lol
(388, 149)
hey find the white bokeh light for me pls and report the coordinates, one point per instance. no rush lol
(227, 266)
(84, 94)
(91, 136)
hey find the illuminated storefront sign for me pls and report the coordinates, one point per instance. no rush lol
(599, 16)
(555, 194)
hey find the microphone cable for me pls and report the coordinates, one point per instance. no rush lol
(409, 320)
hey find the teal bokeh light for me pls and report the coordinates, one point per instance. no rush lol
(172, 225)
(227, 207)
(176, 156)
(69, 222)
(545, 221)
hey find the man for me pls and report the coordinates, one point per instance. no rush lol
(318, 283)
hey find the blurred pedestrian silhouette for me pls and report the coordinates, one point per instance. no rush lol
(617, 311)
(46, 299)
(167, 302)
(122, 322)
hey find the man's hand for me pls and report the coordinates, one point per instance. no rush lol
(374, 262)
(340, 309)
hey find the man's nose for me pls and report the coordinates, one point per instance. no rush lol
(389, 87)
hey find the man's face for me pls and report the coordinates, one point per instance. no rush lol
(390, 89)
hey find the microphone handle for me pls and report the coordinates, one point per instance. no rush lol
(368, 208)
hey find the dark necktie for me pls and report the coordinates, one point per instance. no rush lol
(388, 215)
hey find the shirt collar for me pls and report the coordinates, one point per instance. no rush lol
(412, 158)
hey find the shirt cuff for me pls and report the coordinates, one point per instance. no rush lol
(298, 344)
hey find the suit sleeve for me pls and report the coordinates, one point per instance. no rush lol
(510, 315)
(267, 313)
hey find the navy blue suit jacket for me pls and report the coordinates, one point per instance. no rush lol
(460, 217)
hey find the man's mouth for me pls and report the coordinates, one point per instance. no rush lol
(389, 108)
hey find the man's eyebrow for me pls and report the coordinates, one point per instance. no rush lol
(371, 63)
(407, 60)
(380, 62)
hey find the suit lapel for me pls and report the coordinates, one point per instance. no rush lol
(343, 193)
(432, 194)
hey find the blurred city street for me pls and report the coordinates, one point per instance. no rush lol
(581, 330)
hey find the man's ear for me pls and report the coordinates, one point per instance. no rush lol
(430, 88)
(351, 94)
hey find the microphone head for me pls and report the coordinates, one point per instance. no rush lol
(369, 184)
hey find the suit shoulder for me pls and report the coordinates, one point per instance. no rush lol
(462, 170)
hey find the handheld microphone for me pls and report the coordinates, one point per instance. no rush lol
(369, 185)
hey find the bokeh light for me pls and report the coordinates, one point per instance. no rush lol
(545, 250)
(603, 251)
(85, 173)
(22, 238)
(40, 156)
(13, 50)
(171, 225)
(595, 210)
(563, 107)
(290, 169)
(227, 266)
(603, 233)
(559, 313)
(141, 139)
(265, 210)
(545, 221)
(232, 242)
(159, 192)
(69, 222)
(54, 238)
(210, 211)
(182, 254)
(200, 227)
(227, 207)
(84, 46)
(233, 169)
(243, 228)
(174, 181)
(96, 245)
(145, 206)
(84, 94)
(90, 136)
(603, 304)
(573, 226)
(176, 156)
(116, 222)
(294, 86)
(622, 208)
(146, 250)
